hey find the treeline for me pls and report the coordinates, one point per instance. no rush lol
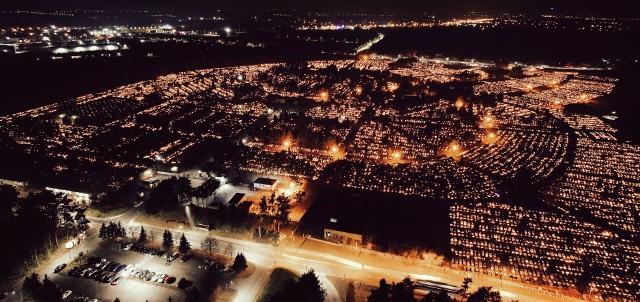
(308, 288)
(404, 291)
(45, 291)
(167, 195)
(33, 226)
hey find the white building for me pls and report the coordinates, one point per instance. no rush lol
(264, 183)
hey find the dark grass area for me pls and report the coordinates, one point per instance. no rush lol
(391, 222)
(278, 279)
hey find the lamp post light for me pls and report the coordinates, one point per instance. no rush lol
(69, 246)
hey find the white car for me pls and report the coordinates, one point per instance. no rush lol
(127, 269)
(66, 294)
(160, 278)
(128, 246)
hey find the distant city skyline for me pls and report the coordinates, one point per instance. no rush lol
(604, 8)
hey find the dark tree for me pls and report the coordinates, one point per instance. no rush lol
(121, 232)
(194, 295)
(465, 286)
(50, 292)
(167, 241)
(310, 285)
(102, 234)
(184, 246)
(143, 236)
(381, 294)
(32, 284)
(402, 291)
(351, 293)
(240, 263)
(116, 300)
(485, 294)
(307, 288)
(263, 205)
(8, 200)
(284, 208)
(166, 195)
(437, 297)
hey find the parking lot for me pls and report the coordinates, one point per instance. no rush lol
(139, 276)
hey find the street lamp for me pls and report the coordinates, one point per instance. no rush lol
(68, 246)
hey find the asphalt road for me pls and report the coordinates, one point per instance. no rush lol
(338, 262)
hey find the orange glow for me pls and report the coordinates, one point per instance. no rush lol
(459, 103)
(490, 138)
(286, 143)
(453, 150)
(358, 90)
(487, 122)
(324, 95)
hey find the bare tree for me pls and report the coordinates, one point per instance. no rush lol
(228, 250)
(209, 244)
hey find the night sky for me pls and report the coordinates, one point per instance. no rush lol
(609, 7)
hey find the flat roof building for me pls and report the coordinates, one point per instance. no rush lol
(264, 183)
(340, 231)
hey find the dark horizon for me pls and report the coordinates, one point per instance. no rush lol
(615, 8)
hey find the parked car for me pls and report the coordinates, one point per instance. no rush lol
(186, 257)
(128, 247)
(143, 274)
(99, 276)
(128, 269)
(86, 272)
(66, 294)
(74, 272)
(113, 277)
(116, 280)
(101, 263)
(160, 278)
(59, 268)
(93, 273)
(150, 276)
(105, 278)
(119, 268)
(80, 299)
(173, 256)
